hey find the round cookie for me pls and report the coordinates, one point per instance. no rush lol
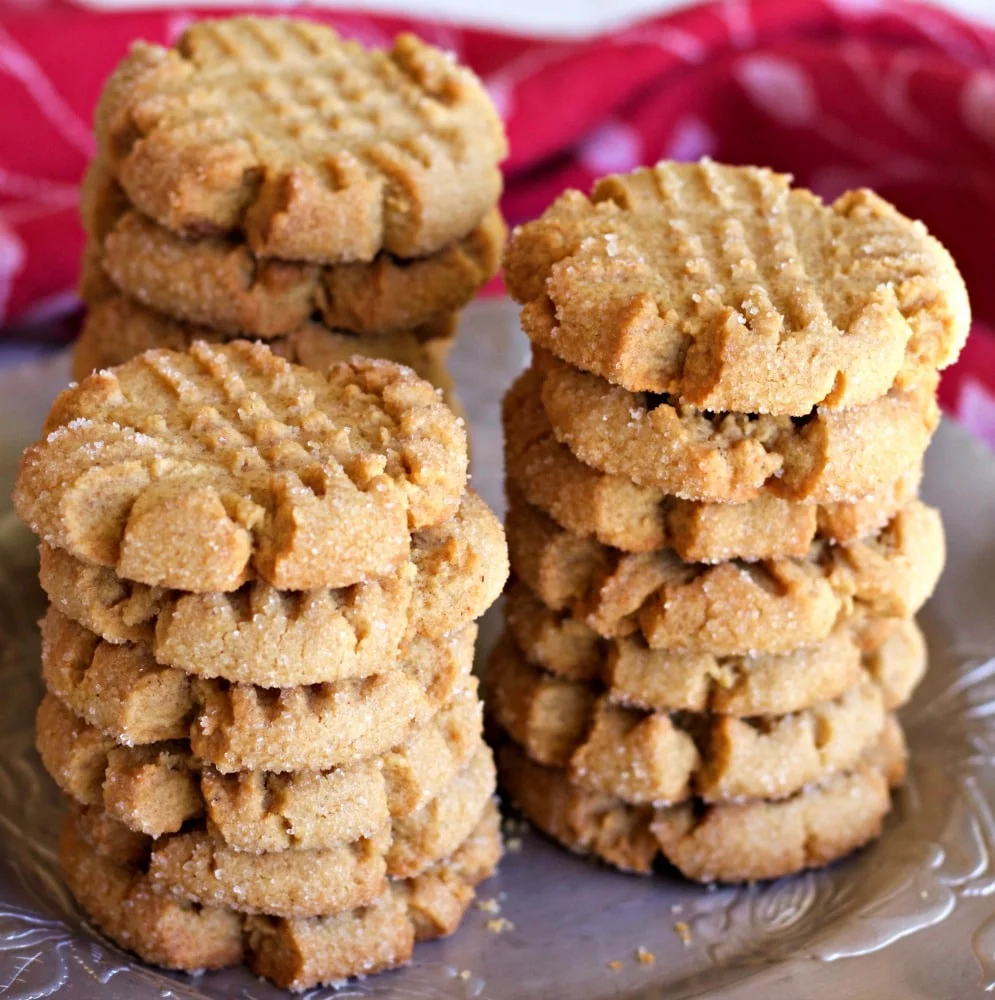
(731, 609)
(667, 681)
(415, 842)
(653, 758)
(301, 883)
(123, 692)
(156, 788)
(729, 290)
(219, 283)
(259, 635)
(312, 147)
(741, 842)
(298, 954)
(827, 456)
(625, 515)
(201, 470)
(295, 953)
(118, 328)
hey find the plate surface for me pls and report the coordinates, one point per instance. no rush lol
(912, 916)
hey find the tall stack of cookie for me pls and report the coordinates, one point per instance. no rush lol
(716, 541)
(263, 584)
(266, 179)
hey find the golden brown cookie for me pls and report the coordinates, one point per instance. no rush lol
(298, 954)
(826, 456)
(634, 675)
(124, 904)
(311, 146)
(295, 954)
(118, 328)
(259, 635)
(219, 283)
(733, 608)
(719, 843)
(199, 471)
(301, 883)
(156, 788)
(659, 757)
(729, 290)
(414, 843)
(435, 831)
(623, 514)
(123, 692)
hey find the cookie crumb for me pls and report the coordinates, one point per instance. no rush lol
(488, 905)
(645, 957)
(513, 844)
(682, 930)
(499, 925)
(615, 965)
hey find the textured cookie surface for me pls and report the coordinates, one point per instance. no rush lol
(718, 843)
(634, 675)
(221, 284)
(156, 788)
(259, 635)
(827, 457)
(122, 691)
(733, 608)
(118, 328)
(414, 842)
(731, 291)
(621, 513)
(311, 146)
(198, 471)
(655, 758)
(295, 953)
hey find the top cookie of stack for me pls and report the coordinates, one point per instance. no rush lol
(712, 472)
(265, 176)
(204, 470)
(728, 290)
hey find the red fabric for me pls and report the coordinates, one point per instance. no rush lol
(882, 93)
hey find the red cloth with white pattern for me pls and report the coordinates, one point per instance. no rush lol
(882, 93)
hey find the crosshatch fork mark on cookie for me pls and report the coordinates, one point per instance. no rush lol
(198, 471)
(282, 130)
(732, 291)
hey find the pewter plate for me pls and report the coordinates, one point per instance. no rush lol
(911, 916)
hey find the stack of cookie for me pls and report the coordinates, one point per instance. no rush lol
(263, 584)
(716, 541)
(266, 179)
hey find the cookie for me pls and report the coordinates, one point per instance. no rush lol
(414, 842)
(259, 635)
(654, 758)
(731, 609)
(123, 692)
(623, 514)
(554, 640)
(199, 471)
(633, 675)
(201, 868)
(296, 954)
(728, 842)
(299, 954)
(435, 831)
(219, 283)
(155, 789)
(117, 328)
(827, 456)
(310, 146)
(160, 929)
(729, 290)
